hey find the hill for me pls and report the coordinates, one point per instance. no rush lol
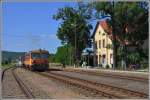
(11, 56)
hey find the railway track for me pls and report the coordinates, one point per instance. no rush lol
(97, 88)
(3, 71)
(22, 85)
(145, 80)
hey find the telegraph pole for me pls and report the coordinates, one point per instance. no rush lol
(114, 39)
(75, 44)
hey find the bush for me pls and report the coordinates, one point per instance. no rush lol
(107, 66)
(100, 65)
(144, 63)
(134, 57)
(6, 62)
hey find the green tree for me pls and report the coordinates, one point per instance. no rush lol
(64, 54)
(75, 28)
(51, 57)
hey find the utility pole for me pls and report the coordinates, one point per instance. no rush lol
(75, 44)
(114, 39)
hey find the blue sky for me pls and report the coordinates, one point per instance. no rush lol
(28, 26)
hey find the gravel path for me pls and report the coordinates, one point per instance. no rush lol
(45, 88)
(10, 88)
(128, 84)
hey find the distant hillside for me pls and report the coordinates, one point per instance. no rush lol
(7, 55)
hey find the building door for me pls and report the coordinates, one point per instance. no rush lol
(104, 60)
(96, 60)
(111, 60)
(100, 60)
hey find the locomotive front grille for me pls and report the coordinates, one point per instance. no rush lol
(40, 66)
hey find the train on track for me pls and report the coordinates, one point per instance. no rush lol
(36, 60)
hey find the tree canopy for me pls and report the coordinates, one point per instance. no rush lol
(130, 20)
(64, 54)
(74, 29)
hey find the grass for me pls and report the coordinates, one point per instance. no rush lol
(5, 66)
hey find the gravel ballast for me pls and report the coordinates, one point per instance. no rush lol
(127, 84)
(114, 72)
(10, 88)
(46, 88)
(49, 88)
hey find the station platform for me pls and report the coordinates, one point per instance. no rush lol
(136, 73)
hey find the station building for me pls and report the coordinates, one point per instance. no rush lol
(102, 45)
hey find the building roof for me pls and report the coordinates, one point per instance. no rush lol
(104, 25)
(108, 30)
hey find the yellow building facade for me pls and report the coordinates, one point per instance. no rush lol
(102, 46)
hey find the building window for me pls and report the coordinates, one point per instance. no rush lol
(99, 43)
(103, 43)
(103, 34)
(99, 32)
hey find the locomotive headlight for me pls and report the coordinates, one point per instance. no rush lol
(33, 61)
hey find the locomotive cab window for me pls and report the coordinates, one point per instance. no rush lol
(35, 55)
(44, 55)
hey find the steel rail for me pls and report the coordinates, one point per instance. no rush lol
(3, 72)
(126, 92)
(22, 85)
(80, 84)
(111, 75)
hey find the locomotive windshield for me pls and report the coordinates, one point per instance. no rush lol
(44, 55)
(35, 55)
(38, 55)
